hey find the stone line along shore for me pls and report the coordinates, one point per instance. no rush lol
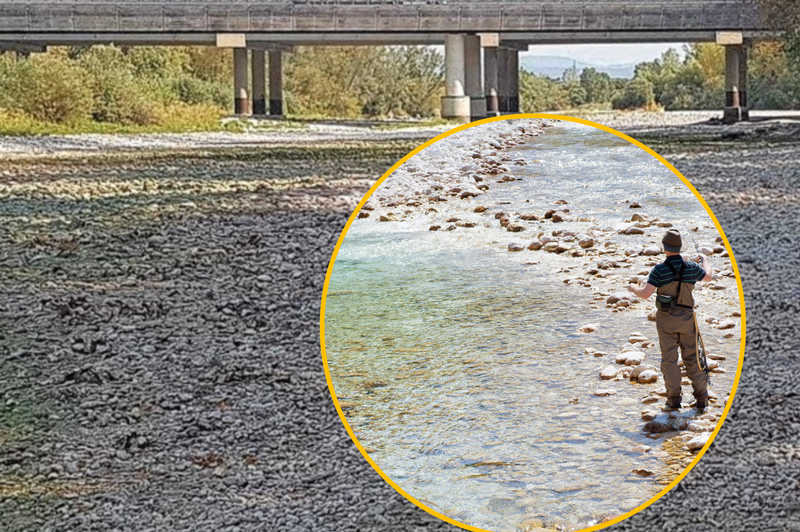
(457, 167)
(452, 175)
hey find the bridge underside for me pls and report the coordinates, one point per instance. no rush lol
(482, 39)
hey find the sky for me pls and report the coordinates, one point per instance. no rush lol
(605, 54)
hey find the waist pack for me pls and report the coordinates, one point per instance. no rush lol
(665, 302)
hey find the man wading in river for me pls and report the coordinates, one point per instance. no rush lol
(674, 281)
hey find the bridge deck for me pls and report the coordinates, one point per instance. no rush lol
(377, 17)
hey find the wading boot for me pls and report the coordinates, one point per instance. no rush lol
(701, 404)
(673, 404)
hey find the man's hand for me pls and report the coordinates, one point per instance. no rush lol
(642, 291)
(706, 265)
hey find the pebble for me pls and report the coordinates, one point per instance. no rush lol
(589, 328)
(605, 392)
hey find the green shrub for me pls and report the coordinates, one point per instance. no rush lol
(540, 93)
(637, 94)
(53, 89)
(119, 97)
(192, 90)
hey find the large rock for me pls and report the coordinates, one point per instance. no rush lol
(640, 368)
(515, 246)
(620, 296)
(535, 245)
(697, 443)
(634, 231)
(648, 376)
(700, 425)
(621, 358)
(608, 373)
(560, 216)
(562, 247)
(656, 427)
(634, 358)
(651, 251)
(586, 242)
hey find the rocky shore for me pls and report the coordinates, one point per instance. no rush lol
(445, 188)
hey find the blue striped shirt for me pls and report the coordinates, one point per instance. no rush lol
(661, 275)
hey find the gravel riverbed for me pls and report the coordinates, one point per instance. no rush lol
(160, 341)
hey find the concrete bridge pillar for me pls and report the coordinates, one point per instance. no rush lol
(490, 80)
(276, 83)
(513, 80)
(241, 103)
(258, 61)
(502, 80)
(743, 82)
(473, 78)
(735, 84)
(455, 103)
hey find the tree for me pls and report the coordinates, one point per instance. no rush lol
(540, 93)
(637, 94)
(597, 86)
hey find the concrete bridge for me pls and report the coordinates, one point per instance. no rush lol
(482, 38)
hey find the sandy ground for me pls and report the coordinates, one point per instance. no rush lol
(112, 417)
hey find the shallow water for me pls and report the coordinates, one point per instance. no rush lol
(457, 363)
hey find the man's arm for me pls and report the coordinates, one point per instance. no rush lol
(706, 265)
(643, 291)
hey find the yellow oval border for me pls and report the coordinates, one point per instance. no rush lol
(511, 117)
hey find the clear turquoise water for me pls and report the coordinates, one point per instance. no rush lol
(459, 360)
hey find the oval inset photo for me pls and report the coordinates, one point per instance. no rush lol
(532, 323)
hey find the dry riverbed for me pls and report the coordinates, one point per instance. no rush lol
(221, 429)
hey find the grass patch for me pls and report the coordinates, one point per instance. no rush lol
(178, 118)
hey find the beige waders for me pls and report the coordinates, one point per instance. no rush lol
(677, 329)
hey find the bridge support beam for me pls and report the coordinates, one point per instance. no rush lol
(735, 84)
(490, 80)
(473, 78)
(258, 62)
(455, 103)
(241, 103)
(276, 83)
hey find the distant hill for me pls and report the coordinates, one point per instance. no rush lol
(554, 66)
